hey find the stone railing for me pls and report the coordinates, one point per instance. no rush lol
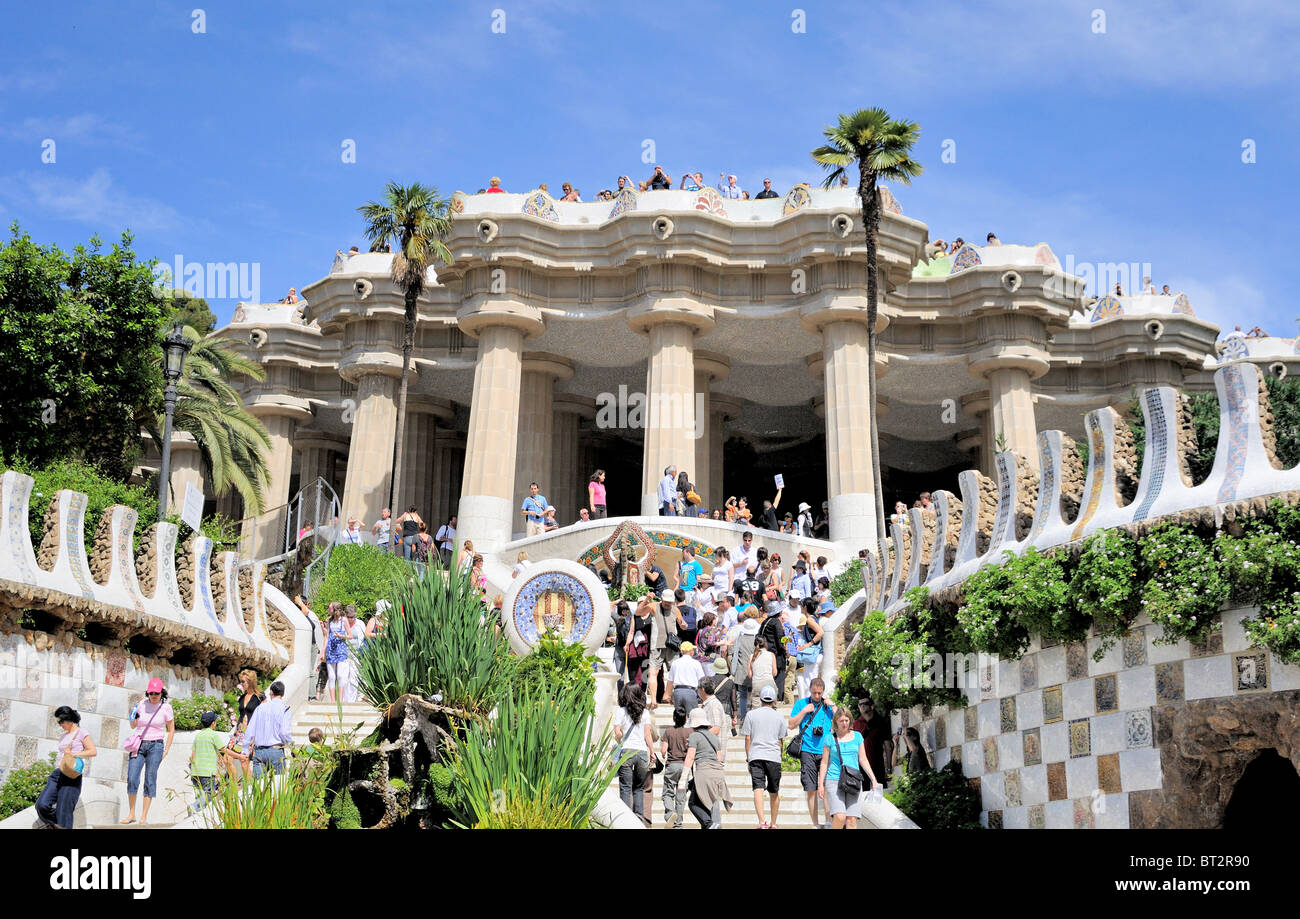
(1024, 509)
(208, 613)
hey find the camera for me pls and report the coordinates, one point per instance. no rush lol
(818, 731)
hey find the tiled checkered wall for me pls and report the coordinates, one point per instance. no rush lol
(1058, 740)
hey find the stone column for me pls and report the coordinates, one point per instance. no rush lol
(422, 416)
(977, 405)
(534, 459)
(487, 509)
(280, 415)
(568, 477)
(672, 324)
(1009, 370)
(721, 410)
(186, 467)
(370, 450)
(448, 472)
(708, 367)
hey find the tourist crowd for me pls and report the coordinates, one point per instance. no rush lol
(727, 186)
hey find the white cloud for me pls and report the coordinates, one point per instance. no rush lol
(85, 128)
(94, 200)
(1233, 300)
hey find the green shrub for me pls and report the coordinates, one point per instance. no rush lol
(360, 575)
(1185, 585)
(1264, 565)
(23, 786)
(292, 801)
(846, 583)
(1003, 603)
(437, 641)
(190, 709)
(631, 592)
(344, 813)
(1105, 586)
(448, 791)
(555, 663)
(938, 799)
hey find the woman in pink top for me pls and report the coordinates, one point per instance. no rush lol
(154, 722)
(596, 494)
(57, 803)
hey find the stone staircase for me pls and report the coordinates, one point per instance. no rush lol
(325, 715)
(793, 812)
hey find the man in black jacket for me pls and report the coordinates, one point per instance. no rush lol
(772, 632)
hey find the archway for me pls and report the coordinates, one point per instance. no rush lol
(1266, 796)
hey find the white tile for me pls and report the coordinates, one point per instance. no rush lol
(1033, 785)
(1208, 677)
(113, 700)
(990, 718)
(108, 765)
(1162, 654)
(1111, 661)
(972, 758)
(11, 683)
(1015, 818)
(1234, 636)
(1029, 709)
(1008, 678)
(7, 742)
(1077, 699)
(1011, 751)
(91, 723)
(1056, 742)
(1282, 676)
(1108, 733)
(1059, 815)
(1139, 769)
(1112, 812)
(1051, 666)
(992, 792)
(956, 727)
(27, 719)
(941, 758)
(1137, 688)
(55, 696)
(1080, 776)
(44, 747)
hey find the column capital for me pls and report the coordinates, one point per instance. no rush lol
(319, 441)
(970, 440)
(485, 311)
(1009, 356)
(270, 405)
(421, 404)
(976, 403)
(552, 365)
(817, 363)
(726, 406)
(569, 404)
(683, 310)
(839, 306)
(359, 362)
(715, 366)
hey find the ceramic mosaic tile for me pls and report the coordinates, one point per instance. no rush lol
(24, 751)
(1135, 648)
(1137, 728)
(88, 697)
(116, 673)
(1169, 682)
(1076, 661)
(1037, 819)
(1007, 710)
(1080, 737)
(1212, 645)
(954, 753)
(1250, 671)
(1033, 747)
(4, 715)
(940, 732)
(31, 691)
(1106, 694)
(986, 680)
(995, 820)
(990, 754)
(975, 785)
(1084, 819)
(1028, 672)
(108, 732)
(1011, 786)
(1053, 709)
(1108, 773)
(1056, 781)
(970, 718)
(905, 718)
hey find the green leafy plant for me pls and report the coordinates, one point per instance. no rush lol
(189, 710)
(939, 799)
(344, 814)
(554, 662)
(1105, 586)
(23, 786)
(1185, 586)
(360, 575)
(1265, 566)
(632, 592)
(293, 800)
(436, 641)
(846, 583)
(535, 765)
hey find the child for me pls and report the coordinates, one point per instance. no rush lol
(205, 759)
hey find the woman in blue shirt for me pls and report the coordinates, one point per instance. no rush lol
(845, 747)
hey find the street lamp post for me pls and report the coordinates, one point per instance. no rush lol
(175, 347)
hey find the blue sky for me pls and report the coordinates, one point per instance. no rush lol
(1122, 145)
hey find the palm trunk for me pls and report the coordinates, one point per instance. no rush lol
(408, 345)
(871, 224)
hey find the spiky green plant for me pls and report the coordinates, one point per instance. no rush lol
(294, 800)
(537, 765)
(436, 641)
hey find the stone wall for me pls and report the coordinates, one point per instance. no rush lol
(1150, 735)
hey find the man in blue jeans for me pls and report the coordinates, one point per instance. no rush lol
(668, 493)
(813, 718)
(269, 733)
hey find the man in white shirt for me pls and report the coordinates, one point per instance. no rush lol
(383, 529)
(728, 189)
(684, 678)
(726, 614)
(743, 556)
(446, 538)
(668, 493)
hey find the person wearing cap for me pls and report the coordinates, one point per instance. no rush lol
(684, 678)
(550, 523)
(205, 759)
(155, 722)
(688, 575)
(663, 624)
(813, 718)
(741, 652)
(709, 789)
(763, 729)
(269, 732)
(802, 581)
(724, 690)
(803, 524)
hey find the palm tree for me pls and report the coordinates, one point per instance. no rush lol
(418, 220)
(882, 148)
(232, 443)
